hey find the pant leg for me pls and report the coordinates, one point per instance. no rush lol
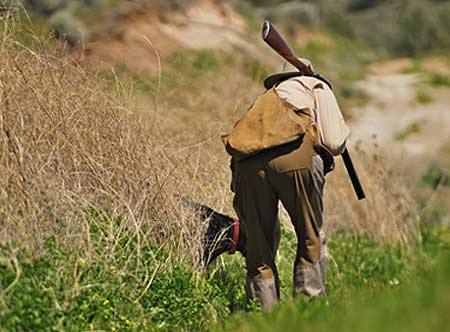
(301, 194)
(324, 259)
(257, 207)
(318, 174)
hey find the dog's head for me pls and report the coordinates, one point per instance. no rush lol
(219, 235)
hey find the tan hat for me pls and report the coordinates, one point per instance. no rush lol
(287, 72)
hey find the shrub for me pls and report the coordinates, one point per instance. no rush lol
(47, 7)
(440, 81)
(421, 28)
(436, 176)
(356, 5)
(405, 28)
(303, 13)
(266, 2)
(66, 27)
(337, 21)
(94, 3)
(423, 98)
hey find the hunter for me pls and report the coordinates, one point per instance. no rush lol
(281, 149)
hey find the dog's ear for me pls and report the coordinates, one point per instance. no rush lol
(204, 212)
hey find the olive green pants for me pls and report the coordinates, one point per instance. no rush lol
(292, 174)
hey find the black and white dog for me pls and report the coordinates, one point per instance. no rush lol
(222, 233)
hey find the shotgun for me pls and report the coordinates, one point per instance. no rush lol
(272, 37)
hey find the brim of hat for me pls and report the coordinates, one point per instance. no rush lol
(270, 81)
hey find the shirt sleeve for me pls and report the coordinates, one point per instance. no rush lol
(332, 127)
(314, 94)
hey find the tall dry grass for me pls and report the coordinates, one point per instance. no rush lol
(389, 212)
(71, 149)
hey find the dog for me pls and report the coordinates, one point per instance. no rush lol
(222, 233)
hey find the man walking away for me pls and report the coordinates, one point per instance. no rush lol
(281, 150)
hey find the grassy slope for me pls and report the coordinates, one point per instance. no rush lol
(67, 289)
(418, 307)
(166, 294)
(418, 301)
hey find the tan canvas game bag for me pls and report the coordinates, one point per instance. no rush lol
(269, 122)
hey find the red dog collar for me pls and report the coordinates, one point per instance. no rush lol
(235, 238)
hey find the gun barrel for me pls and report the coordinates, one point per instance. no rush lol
(266, 29)
(272, 37)
(353, 175)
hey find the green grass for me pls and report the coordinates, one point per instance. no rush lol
(411, 129)
(440, 81)
(184, 66)
(383, 291)
(423, 98)
(417, 307)
(413, 69)
(120, 283)
(183, 71)
(114, 285)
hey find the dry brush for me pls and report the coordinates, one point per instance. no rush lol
(71, 149)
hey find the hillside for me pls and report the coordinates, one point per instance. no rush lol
(102, 132)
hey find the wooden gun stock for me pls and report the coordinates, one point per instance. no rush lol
(272, 37)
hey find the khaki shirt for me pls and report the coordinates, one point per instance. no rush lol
(305, 92)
